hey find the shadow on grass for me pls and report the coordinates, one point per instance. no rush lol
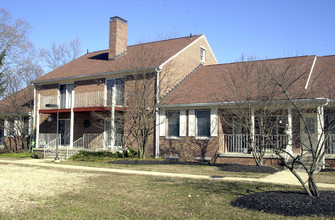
(289, 203)
(222, 167)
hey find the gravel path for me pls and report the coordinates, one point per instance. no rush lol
(24, 186)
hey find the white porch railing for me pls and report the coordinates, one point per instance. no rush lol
(50, 147)
(89, 99)
(330, 144)
(93, 141)
(45, 138)
(240, 143)
(1, 142)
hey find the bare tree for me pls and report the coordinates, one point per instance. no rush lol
(2, 80)
(59, 54)
(268, 96)
(255, 116)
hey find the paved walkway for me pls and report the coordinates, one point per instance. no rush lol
(284, 177)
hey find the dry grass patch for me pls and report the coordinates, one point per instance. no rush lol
(23, 187)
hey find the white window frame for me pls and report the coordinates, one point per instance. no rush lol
(202, 54)
(167, 125)
(196, 116)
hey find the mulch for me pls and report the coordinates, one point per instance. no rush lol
(289, 203)
(223, 167)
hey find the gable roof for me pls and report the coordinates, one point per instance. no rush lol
(18, 102)
(140, 56)
(250, 81)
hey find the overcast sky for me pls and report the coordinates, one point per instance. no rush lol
(258, 28)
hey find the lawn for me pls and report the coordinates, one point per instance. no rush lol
(118, 196)
(172, 168)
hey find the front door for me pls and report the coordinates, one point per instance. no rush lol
(64, 131)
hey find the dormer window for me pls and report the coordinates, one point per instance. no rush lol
(202, 54)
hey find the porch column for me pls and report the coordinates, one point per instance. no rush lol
(72, 119)
(113, 115)
(320, 126)
(289, 131)
(252, 127)
(38, 122)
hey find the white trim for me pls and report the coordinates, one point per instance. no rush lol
(168, 60)
(182, 123)
(310, 73)
(38, 121)
(191, 123)
(72, 119)
(210, 49)
(214, 122)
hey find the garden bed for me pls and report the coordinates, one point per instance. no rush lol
(289, 203)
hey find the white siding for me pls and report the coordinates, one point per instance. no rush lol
(191, 123)
(162, 123)
(182, 123)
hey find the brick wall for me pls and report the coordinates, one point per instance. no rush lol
(183, 64)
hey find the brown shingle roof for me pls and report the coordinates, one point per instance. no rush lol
(137, 57)
(18, 102)
(251, 81)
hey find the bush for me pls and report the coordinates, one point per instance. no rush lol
(103, 155)
(17, 155)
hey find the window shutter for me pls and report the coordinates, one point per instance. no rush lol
(162, 123)
(191, 123)
(182, 121)
(214, 123)
(6, 128)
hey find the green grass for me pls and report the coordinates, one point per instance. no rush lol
(172, 168)
(117, 196)
(17, 155)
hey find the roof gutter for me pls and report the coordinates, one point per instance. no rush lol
(218, 104)
(48, 81)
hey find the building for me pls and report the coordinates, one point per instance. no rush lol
(198, 104)
(16, 120)
(100, 83)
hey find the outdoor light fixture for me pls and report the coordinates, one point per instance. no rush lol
(50, 118)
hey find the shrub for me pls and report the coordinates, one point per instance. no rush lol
(103, 155)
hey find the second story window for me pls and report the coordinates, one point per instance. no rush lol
(65, 95)
(202, 54)
(115, 86)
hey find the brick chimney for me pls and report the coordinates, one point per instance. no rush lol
(118, 29)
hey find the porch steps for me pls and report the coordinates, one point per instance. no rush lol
(62, 153)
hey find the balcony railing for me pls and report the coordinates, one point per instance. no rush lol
(330, 144)
(84, 100)
(240, 143)
(89, 99)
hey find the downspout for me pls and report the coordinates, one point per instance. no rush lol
(157, 114)
(324, 153)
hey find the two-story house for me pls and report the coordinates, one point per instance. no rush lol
(97, 82)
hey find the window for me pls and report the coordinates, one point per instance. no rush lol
(11, 127)
(310, 125)
(202, 54)
(65, 92)
(203, 123)
(119, 91)
(26, 125)
(173, 123)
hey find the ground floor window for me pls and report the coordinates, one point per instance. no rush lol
(203, 123)
(173, 123)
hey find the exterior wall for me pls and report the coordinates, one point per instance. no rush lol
(48, 90)
(189, 148)
(183, 64)
(89, 86)
(248, 161)
(96, 126)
